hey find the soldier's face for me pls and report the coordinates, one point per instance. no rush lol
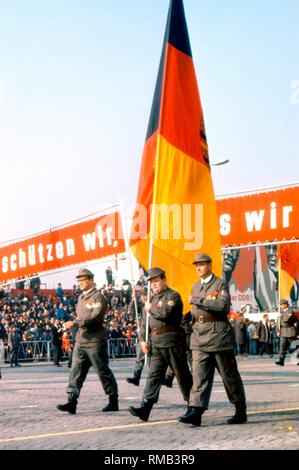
(158, 284)
(85, 283)
(283, 306)
(203, 269)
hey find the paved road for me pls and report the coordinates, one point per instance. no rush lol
(29, 419)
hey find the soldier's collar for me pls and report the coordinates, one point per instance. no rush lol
(87, 292)
(207, 280)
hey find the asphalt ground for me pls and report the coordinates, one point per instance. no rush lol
(29, 419)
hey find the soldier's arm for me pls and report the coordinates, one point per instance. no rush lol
(218, 304)
(197, 296)
(165, 308)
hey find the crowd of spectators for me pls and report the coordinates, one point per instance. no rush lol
(32, 314)
(256, 337)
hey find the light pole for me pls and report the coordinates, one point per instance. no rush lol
(220, 162)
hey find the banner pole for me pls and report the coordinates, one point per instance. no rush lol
(279, 292)
(150, 262)
(152, 237)
(279, 280)
(128, 252)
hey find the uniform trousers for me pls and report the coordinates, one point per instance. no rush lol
(203, 368)
(160, 359)
(83, 358)
(285, 343)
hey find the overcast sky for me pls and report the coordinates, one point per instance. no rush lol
(76, 85)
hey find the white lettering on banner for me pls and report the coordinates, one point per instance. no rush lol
(109, 231)
(35, 254)
(273, 216)
(13, 262)
(100, 235)
(22, 258)
(49, 253)
(31, 255)
(5, 264)
(89, 239)
(41, 253)
(59, 250)
(70, 247)
(254, 220)
(286, 210)
(225, 225)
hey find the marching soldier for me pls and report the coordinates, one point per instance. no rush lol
(91, 345)
(286, 330)
(140, 358)
(212, 345)
(167, 343)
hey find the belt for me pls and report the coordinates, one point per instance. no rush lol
(209, 318)
(164, 329)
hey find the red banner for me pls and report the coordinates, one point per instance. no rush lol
(261, 217)
(71, 245)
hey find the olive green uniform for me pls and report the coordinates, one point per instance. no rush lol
(212, 343)
(167, 344)
(91, 344)
(287, 329)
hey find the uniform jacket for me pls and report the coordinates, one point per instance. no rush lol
(91, 308)
(211, 336)
(287, 324)
(166, 310)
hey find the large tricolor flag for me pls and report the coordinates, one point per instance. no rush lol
(288, 256)
(175, 176)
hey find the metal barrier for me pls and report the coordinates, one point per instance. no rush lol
(122, 347)
(30, 351)
(37, 351)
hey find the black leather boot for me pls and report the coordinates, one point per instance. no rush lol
(143, 411)
(240, 417)
(133, 380)
(112, 405)
(70, 406)
(193, 416)
(280, 362)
